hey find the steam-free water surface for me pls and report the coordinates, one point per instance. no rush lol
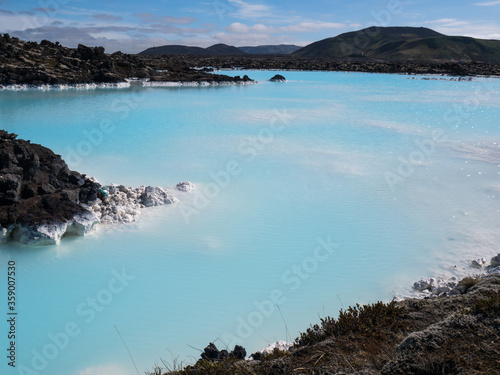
(313, 194)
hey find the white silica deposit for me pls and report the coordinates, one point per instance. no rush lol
(118, 204)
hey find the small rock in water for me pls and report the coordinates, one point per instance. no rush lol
(155, 196)
(436, 286)
(495, 261)
(424, 284)
(478, 263)
(278, 78)
(185, 186)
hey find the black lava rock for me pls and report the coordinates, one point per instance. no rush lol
(36, 185)
(239, 352)
(211, 353)
(278, 78)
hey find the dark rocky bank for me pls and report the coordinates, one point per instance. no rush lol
(41, 200)
(457, 334)
(37, 187)
(34, 63)
(292, 62)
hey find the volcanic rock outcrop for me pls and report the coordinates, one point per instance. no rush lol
(41, 200)
(47, 63)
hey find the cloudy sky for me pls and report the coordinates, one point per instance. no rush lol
(132, 26)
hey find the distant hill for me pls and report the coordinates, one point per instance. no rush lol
(281, 49)
(215, 50)
(174, 50)
(404, 43)
(224, 50)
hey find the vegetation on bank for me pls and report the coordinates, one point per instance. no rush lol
(444, 335)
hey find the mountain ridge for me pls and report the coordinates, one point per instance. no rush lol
(403, 44)
(219, 49)
(270, 49)
(394, 43)
(222, 49)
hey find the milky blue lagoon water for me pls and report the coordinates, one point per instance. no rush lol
(321, 192)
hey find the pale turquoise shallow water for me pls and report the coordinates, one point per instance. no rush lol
(314, 156)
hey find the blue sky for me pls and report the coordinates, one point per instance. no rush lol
(131, 26)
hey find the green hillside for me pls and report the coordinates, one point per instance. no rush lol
(404, 43)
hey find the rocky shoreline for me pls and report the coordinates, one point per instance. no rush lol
(291, 62)
(433, 287)
(446, 333)
(37, 65)
(41, 200)
(424, 335)
(47, 63)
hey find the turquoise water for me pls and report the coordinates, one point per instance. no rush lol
(321, 192)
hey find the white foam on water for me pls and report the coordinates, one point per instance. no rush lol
(63, 87)
(192, 83)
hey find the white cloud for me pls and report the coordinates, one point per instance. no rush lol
(475, 29)
(108, 30)
(488, 4)
(20, 22)
(240, 34)
(449, 22)
(246, 10)
(241, 28)
(250, 39)
(118, 38)
(311, 27)
(303, 27)
(118, 31)
(442, 20)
